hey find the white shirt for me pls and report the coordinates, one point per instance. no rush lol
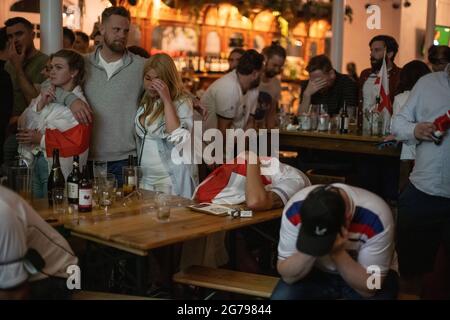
(371, 232)
(227, 184)
(22, 228)
(224, 98)
(428, 100)
(52, 116)
(110, 67)
(154, 172)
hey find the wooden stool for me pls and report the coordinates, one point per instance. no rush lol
(257, 285)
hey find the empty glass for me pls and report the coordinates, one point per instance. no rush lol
(162, 202)
(100, 168)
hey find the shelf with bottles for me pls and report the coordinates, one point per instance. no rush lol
(211, 64)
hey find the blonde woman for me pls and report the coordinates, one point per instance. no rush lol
(164, 120)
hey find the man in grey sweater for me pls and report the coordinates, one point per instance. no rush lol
(113, 87)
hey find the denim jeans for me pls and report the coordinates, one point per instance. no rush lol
(423, 225)
(319, 285)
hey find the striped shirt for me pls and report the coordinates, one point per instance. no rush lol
(371, 230)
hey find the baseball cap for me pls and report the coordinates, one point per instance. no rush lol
(322, 217)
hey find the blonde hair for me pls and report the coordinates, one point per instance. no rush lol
(167, 72)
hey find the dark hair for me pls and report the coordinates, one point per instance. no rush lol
(75, 62)
(320, 62)
(324, 199)
(139, 51)
(390, 43)
(13, 21)
(410, 74)
(67, 33)
(438, 54)
(250, 61)
(82, 35)
(3, 39)
(237, 50)
(120, 11)
(274, 50)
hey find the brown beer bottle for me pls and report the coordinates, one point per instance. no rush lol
(129, 177)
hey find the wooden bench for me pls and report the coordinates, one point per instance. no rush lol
(93, 295)
(228, 280)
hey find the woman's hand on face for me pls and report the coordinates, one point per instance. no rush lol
(162, 89)
(47, 95)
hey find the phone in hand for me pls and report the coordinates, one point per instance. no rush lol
(386, 144)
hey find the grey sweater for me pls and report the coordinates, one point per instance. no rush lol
(114, 102)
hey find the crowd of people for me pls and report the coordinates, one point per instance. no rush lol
(111, 102)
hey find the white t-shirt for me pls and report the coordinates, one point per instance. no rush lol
(226, 185)
(371, 232)
(110, 67)
(21, 228)
(224, 98)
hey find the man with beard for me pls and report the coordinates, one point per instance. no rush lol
(113, 87)
(379, 175)
(231, 100)
(24, 65)
(327, 86)
(6, 91)
(274, 59)
(368, 90)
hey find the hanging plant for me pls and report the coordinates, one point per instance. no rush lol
(289, 9)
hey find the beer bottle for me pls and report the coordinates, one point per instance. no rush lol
(72, 182)
(129, 177)
(343, 123)
(85, 192)
(56, 177)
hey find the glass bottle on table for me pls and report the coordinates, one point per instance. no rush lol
(343, 120)
(129, 177)
(85, 192)
(72, 182)
(56, 178)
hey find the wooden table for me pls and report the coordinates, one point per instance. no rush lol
(136, 230)
(352, 143)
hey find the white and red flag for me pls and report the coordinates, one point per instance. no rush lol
(385, 107)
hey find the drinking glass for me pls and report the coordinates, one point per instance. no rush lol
(162, 201)
(19, 179)
(59, 202)
(108, 188)
(100, 169)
